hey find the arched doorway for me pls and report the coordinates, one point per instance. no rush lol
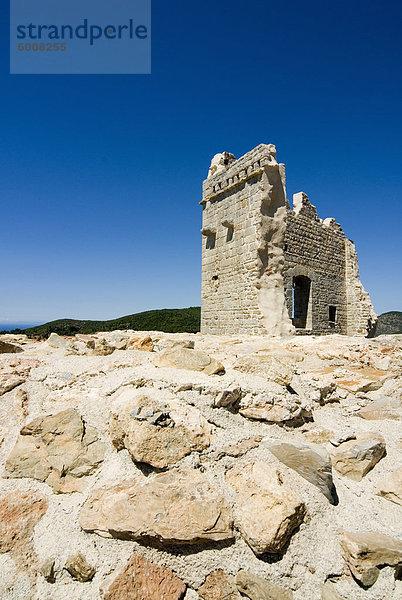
(301, 317)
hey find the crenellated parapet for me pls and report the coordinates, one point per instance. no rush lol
(235, 172)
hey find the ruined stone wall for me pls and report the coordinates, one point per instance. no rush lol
(243, 206)
(268, 269)
(229, 262)
(316, 249)
(361, 315)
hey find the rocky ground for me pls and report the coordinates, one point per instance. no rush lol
(152, 466)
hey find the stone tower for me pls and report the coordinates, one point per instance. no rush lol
(270, 269)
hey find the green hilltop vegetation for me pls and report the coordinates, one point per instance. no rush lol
(169, 320)
(389, 322)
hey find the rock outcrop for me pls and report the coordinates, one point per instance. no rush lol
(124, 480)
(281, 408)
(385, 408)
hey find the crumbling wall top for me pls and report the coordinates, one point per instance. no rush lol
(303, 207)
(230, 172)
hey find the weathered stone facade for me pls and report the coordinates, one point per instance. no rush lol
(270, 269)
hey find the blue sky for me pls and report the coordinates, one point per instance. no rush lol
(100, 176)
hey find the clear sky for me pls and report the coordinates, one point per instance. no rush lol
(100, 176)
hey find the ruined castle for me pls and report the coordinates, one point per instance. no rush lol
(271, 269)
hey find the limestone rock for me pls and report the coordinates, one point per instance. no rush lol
(328, 592)
(391, 487)
(274, 408)
(314, 388)
(57, 449)
(79, 568)
(267, 366)
(143, 343)
(228, 397)
(19, 513)
(312, 463)
(242, 447)
(88, 340)
(219, 586)
(57, 341)
(362, 380)
(164, 344)
(257, 588)
(267, 512)
(47, 570)
(159, 433)
(385, 408)
(365, 553)
(343, 436)
(143, 580)
(102, 348)
(6, 347)
(220, 162)
(173, 507)
(193, 360)
(355, 458)
(9, 382)
(318, 435)
(21, 403)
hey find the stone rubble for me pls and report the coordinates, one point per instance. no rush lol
(391, 487)
(219, 586)
(172, 507)
(365, 553)
(257, 588)
(79, 568)
(153, 466)
(267, 511)
(142, 580)
(58, 449)
(8, 348)
(158, 433)
(356, 457)
(313, 464)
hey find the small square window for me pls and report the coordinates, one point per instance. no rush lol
(211, 239)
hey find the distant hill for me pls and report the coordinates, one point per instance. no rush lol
(169, 320)
(389, 322)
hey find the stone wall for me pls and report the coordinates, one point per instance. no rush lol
(244, 210)
(316, 249)
(267, 268)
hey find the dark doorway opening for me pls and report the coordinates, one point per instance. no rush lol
(301, 298)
